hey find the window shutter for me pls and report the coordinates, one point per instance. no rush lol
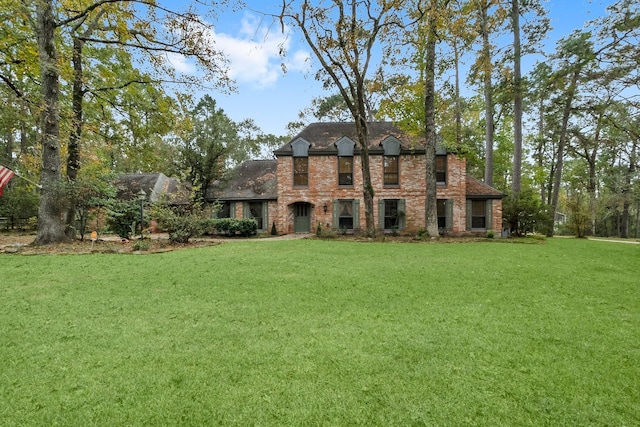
(381, 214)
(449, 214)
(469, 213)
(356, 214)
(489, 219)
(265, 215)
(335, 211)
(232, 209)
(402, 214)
(246, 212)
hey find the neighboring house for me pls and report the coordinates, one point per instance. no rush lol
(156, 186)
(317, 179)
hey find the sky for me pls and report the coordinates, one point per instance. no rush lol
(272, 97)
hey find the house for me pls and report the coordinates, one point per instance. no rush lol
(316, 179)
(156, 186)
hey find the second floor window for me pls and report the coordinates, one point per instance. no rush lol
(345, 170)
(301, 171)
(391, 176)
(441, 170)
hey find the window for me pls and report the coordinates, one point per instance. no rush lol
(226, 210)
(391, 170)
(391, 161)
(345, 170)
(478, 214)
(346, 214)
(441, 170)
(391, 214)
(257, 211)
(442, 213)
(301, 171)
(300, 150)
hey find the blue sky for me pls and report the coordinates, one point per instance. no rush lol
(273, 98)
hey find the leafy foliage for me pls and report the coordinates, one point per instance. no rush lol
(123, 217)
(524, 213)
(182, 223)
(244, 227)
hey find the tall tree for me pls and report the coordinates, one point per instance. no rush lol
(180, 33)
(50, 226)
(516, 184)
(342, 35)
(433, 18)
(214, 144)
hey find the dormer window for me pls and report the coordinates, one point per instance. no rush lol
(345, 148)
(300, 148)
(391, 162)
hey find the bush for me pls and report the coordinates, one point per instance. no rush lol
(231, 226)
(524, 214)
(181, 226)
(123, 218)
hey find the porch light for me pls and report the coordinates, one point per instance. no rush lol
(324, 207)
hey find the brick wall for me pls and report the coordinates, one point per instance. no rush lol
(323, 189)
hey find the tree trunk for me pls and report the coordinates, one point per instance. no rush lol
(488, 96)
(517, 100)
(431, 212)
(73, 157)
(50, 225)
(458, 118)
(362, 129)
(566, 112)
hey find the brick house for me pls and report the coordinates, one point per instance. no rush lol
(317, 179)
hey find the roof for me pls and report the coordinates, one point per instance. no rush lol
(157, 187)
(323, 136)
(251, 180)
(477, 189)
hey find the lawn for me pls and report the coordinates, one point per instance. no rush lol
(308, 332)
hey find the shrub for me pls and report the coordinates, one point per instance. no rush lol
(524, 213)
(123, 218)
(181, 223)
(231, 226)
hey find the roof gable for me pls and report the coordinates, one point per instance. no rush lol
(157, 187)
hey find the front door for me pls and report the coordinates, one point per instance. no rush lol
(302, 218)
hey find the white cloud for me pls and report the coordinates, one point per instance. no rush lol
(254, 54)
(179, 63)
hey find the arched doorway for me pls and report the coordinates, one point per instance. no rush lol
(302, 218)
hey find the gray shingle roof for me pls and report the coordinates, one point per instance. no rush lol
(252, 180)
(157, 186)
(323, 136)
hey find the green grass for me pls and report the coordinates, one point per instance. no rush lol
(311, 333)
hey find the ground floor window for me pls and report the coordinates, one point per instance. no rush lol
(442, 214)
(391, 214)
(224, 210)
(346, 215)
(479, 214)
(257, 211)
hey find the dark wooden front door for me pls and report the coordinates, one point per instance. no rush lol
(302, 218)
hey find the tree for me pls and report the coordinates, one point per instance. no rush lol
(431, 27)
(214, 144)
(184, 36)
(342, 35)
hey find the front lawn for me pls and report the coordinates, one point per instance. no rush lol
(308, 332)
